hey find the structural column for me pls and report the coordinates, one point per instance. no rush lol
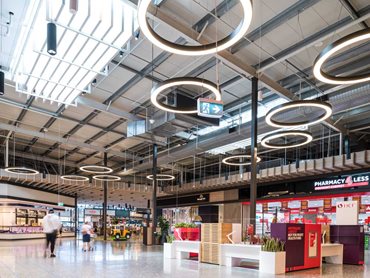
(253, 184)
(76, 216)
(105, 183)
(154, 193)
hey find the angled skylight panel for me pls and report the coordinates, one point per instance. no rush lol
(86, 43)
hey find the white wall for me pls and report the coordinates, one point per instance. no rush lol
(7, 216)
(34, 195)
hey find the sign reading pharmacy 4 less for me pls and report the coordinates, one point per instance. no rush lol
(342, 182)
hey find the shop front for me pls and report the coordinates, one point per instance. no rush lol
(22, 210)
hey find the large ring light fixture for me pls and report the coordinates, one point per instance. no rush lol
(226, 160)
(326, 107)
(173, 82)
(193, 50)
(265, 140)
(96, 169)
(21, 171)
(161, 177)
(74, 178)
(330, 50)
(106, 178)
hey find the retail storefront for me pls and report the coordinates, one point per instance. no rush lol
(22, 210)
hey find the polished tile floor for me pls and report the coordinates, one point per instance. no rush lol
(129, 259)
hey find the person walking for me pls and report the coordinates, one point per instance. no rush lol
(86, 236)
(51, 225)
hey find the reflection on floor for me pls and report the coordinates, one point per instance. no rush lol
(129, 259)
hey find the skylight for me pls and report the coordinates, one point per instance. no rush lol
(87, 41)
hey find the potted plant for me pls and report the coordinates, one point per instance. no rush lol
(168, 249)
(272, 256)
(164, 225)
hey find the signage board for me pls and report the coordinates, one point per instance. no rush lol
(60, 204)
(347, 213)
(92, 211)
(342, 182)
(210, 108)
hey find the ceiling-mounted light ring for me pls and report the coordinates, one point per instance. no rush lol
(330, 50)
(161, 177)
(180, 81)
(21, 171)
(193, 50)
(106, 178)
(90, 169)
(305, 134)
(74, 178)
(226, 160)
(326, 107)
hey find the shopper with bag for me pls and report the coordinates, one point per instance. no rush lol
(86, 232)
(51, 225)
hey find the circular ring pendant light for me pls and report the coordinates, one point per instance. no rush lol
(96, 169)
(161, 177)
(74, 178)
(21, 171)
(228, 162)
(106, 178)
(326, 107)
(206, 49)
(180, 81)
(330, 50)
(265, 140)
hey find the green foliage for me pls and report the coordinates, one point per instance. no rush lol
(272, 245)
(163, 224)
(170, 238)
(185, 225)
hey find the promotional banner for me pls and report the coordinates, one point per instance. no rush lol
(327, 205)
(304, 206)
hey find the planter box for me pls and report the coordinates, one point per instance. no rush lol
(169, 251)
(272, 262)
(186, 233)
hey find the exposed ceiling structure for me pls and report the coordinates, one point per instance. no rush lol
(279, 48)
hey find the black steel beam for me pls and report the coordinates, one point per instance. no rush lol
(273, 23)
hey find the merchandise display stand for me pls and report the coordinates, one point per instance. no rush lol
(302, 244)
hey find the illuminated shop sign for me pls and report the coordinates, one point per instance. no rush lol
(345, 182)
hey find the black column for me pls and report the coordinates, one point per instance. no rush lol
(76, 216)
(253, 184)
(105, 201)
(154, 194)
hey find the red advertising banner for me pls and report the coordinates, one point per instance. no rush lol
(265, 207)
(327, 205)
(304, 206)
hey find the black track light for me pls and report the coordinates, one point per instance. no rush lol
(2, 83)
(52, 38)
(137, 35)
(121, 54)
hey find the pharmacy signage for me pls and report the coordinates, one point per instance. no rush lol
(342, 182)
